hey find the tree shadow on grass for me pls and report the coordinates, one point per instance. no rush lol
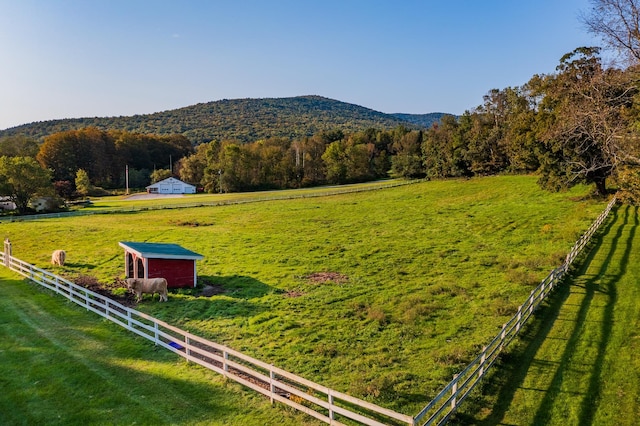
(602, 283)
(236, 286)
(216, 297)
(510, 374)
(76, 265)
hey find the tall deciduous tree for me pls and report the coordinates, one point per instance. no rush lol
(160, 174)
(21, 179)
(583, 123)
(61, 153)
(443, 148)
(486, 152)
(617, 22)
(407, 147)
(335, 159)
(83, 183)
(18, 146)
(191, 168)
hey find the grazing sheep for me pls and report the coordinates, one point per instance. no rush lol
(58, 257)
(148, 285)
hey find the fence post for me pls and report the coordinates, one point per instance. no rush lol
(454, 391)
(531, 300)
(155, 333)
(330, 397)
(225, 366)
(7, 252)
(483, 358)
(187, 342)
(271, 386)
(518, 324)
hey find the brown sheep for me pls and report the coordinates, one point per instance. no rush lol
(58, 257)
(148, 285)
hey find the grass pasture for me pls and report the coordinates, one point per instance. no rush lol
(420, 276)
(62, 366)
(579, 363)
(126, 203)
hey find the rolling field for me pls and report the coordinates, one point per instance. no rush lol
(383, 295)
(579, 363)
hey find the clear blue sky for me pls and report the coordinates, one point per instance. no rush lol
(86, 58)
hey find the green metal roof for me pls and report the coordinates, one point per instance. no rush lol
(159, 250)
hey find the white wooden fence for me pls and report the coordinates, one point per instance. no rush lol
(318, 401)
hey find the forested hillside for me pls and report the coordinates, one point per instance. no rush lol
(245, 120)
(423, 120)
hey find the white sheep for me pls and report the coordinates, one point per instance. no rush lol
(58, 257)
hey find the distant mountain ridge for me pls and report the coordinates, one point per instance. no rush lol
(246, 120)
(423, 120)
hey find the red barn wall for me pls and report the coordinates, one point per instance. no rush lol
(179, 273)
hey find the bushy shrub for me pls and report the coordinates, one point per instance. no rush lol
(628, 180)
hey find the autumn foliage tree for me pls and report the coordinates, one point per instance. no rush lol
(104, 154)
(583, 123)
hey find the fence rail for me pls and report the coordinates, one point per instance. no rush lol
(318, 401)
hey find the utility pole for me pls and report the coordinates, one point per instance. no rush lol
(126, 178)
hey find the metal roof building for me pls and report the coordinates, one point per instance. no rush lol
(171, 185)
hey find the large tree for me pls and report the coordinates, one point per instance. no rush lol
(21, 179)
(407, 147)
(443, 149)
(18, 146)
(617, 22)
(582, 120)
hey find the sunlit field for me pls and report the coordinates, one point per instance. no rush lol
(382, 294)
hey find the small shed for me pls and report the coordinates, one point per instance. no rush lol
(171, 185)
(161, 260)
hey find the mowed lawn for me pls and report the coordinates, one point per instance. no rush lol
(60, 365)
(422, 275)
(579, 364)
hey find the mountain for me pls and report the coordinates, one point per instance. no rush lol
(422, 120)
(246, 120)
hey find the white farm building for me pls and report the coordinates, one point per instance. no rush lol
(171, 186)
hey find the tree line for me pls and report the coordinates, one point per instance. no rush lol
(577, 125)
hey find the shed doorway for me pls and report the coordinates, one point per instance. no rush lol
(135, 267)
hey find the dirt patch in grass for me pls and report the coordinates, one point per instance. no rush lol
(327, 277)
(105, 289)
(190, 223)
(293, 293)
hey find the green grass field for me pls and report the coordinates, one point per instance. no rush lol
(128, 203)
(580, 362)
(426, 273)
(60, 365)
